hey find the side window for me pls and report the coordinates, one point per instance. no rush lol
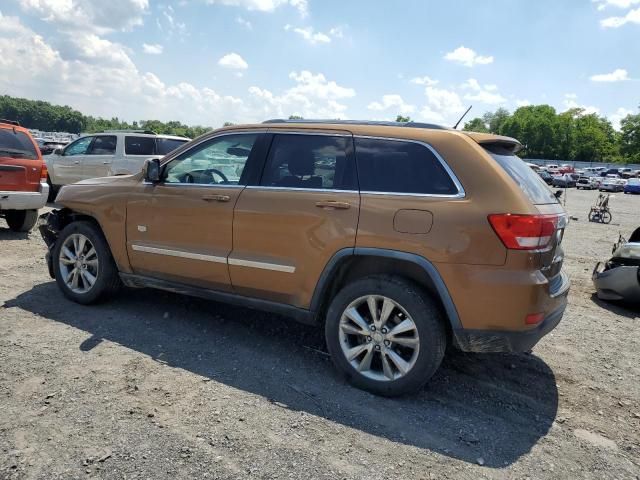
(103, 145)
(218, 161)
(310, 161)
(139, 145)
(79, 147)
(400, 167)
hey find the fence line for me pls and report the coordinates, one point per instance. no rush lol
(575, 164)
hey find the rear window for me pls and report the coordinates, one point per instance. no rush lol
(16, 144)
(168, 145)
(151, 145)
(139, 145)
(530, 183)
(394, 166)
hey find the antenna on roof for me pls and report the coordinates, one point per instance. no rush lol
(463, 115)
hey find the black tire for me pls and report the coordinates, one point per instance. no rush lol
(418, 305)
(107, 281)
(21, 220)
(606, 217)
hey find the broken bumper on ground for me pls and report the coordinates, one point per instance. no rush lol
(50, 224)
(617, 282)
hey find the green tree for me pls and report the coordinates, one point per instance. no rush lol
(630, 138)
(476, 125)
(495, 120)
(402, 119)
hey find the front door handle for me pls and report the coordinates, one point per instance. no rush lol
(216, 198)
(333, 204)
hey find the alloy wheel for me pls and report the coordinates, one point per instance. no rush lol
(379, 338)
(79, 265)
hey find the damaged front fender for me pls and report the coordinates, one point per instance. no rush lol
(619, 278)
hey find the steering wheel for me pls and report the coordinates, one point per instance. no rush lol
(219, 173)
(188, 178)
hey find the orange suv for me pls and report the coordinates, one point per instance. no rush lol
(398, 238)
(23, 177)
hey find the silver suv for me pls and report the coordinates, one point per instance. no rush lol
(112, 152)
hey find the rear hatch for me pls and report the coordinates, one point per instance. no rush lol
(20, 164)
(549, 255)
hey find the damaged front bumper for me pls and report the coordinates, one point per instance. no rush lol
(50, 224)
(619, 278)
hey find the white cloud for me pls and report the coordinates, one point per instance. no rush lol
(482, 93)
(94, 15)
(394, 102)
(309, 35)
(167, 22)
(427, 81)
(632, 16)
(311, 97)
(314, 37)
(442, 105)
(522, 102)
(571, 101)
(234, 61)
(618, 115)
(152, 49)
(602, 4)
(245, 23)
(467, 57)
(265, 5)
(618, 75)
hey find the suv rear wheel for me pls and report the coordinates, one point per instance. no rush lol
(385, 335)
(21, 220)
(83, 265)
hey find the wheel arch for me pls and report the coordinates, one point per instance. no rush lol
(352, 263)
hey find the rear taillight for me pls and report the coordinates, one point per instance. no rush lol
(44, 172)
(524, 232)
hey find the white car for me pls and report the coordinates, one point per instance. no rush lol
(112, 152)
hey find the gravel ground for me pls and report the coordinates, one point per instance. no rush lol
(154, 385)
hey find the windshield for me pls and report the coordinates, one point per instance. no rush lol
(530, 183)
(167, 145)
(633, 181)
(16, 144)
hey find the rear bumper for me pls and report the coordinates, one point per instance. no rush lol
(10, 200)
(512, 341)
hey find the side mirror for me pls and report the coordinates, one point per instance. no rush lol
(151, 170)
(558, 194)
(58, 151)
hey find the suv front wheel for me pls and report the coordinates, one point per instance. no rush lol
(385, 334)
(83, 265)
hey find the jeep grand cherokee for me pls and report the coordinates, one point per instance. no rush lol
(398, 238)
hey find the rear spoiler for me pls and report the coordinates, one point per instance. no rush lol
(490, 140)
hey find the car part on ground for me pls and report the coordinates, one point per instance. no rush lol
(23, 187)
(618, 279)
(363, 227)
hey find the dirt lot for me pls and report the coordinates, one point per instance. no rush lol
(154, 385)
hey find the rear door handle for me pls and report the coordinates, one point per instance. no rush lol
(216, 198)
(333, 204)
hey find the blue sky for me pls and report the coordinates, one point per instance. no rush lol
(210, 61)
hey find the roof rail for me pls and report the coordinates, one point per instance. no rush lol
(10, 122)
(129, 130)
(362, 122)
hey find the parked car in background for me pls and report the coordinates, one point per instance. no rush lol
(610, 171)
(625, 172)
(546, 176)
(588, 182)
(632, 186)
(610, 184)
(552, 168)
(563, 181)
(112, 152)
(396, 249)
(47, 147)
(23, 187)
(566, 168)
